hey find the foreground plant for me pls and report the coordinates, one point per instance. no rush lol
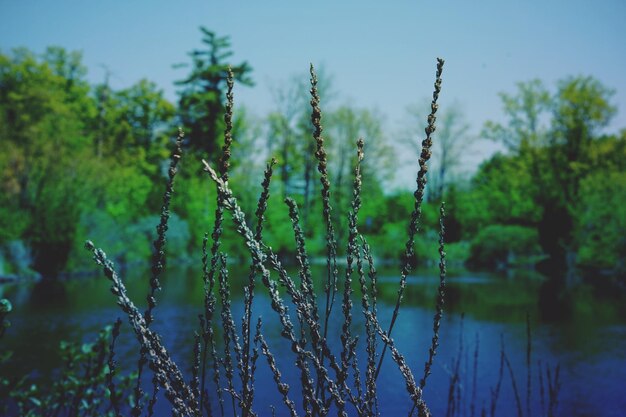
(5, 309)
(83, 388)
(330, 382)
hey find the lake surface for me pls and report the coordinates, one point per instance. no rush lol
(585, 335)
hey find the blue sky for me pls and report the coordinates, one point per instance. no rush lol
(380, 54)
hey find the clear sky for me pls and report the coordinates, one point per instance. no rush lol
(380, 54)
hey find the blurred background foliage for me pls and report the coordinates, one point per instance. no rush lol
(84, 161)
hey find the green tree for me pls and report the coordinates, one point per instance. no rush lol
(131, 118)
(202, 97)
(601, 213)
(132, 135)
(149, 115)
(72, 154)
(552, 136)
(500, 192)
(527, 114)
(43, 108)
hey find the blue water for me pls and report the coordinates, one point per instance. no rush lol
(589, 345)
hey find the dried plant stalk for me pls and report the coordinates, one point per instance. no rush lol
(282, 387)
(169, 376)
(113, 368)
(347, 342)
(370, 332)
(440, 298)
(412, 388)
(158, 264)
(331, 243)
(158, 260)
(259, 258)
(321, 391)
(417, 210)
(247, 388)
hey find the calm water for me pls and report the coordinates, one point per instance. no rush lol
(588, 339)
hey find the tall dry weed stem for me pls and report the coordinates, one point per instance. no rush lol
(409, 251)
(330, 383)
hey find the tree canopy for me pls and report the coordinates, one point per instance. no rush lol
(82, 160)
(202, 94)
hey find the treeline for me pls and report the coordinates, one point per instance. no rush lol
(84, 161)
(559, 192)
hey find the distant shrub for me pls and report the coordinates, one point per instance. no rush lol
(602, 222)
(129, 242)
(5, 309)
(500, 246)
(84, 387)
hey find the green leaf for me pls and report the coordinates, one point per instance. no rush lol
(35, 401)
(5, 306)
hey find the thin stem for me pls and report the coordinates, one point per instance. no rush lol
(158, 265)
(246, 322)
(528, 365)
(440, 298)
(209, 271)
(283, 388)
(417, 210)
(113, 367)
(518, 402)
(168, 374)
(347, 341)
(331, 243)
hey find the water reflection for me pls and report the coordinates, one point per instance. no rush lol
(588, 339)
(554, 302)
(47, 294)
